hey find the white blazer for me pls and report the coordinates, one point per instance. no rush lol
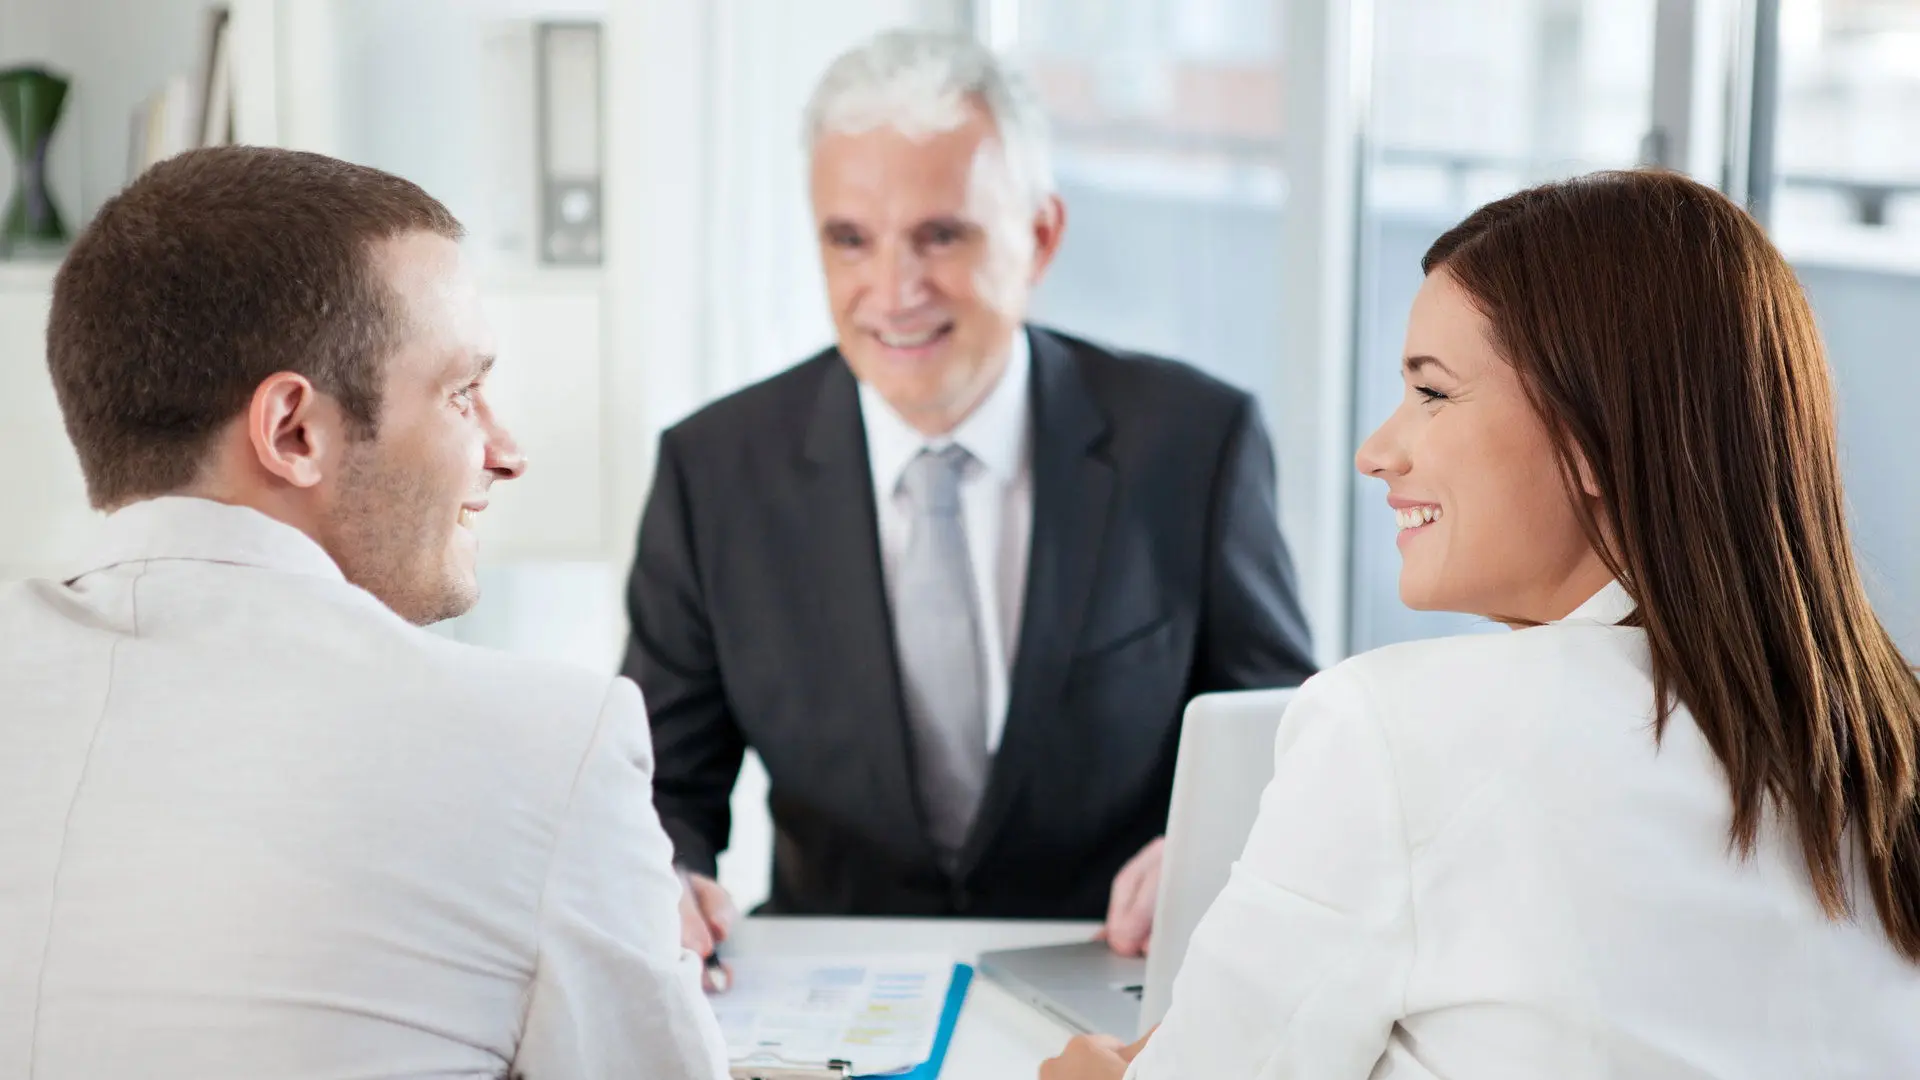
(253, 824)
(1474, 862)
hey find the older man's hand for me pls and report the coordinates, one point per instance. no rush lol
(707, 915)
(1136, 889)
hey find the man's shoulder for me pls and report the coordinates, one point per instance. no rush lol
(773, 408)
(1133, 379)
(522, 722)
(311, 666)
(537, 685)
(348, 639)
(516, 685)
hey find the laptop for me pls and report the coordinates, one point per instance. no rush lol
(1225, 761)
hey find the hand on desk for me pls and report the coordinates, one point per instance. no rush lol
(1093, 1057)
(1136, 888)
(707, 915)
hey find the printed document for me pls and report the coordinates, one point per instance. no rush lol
(880, 1013)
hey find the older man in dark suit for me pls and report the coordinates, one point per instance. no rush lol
(956, 578)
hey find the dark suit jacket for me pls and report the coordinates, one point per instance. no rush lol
(760, 618)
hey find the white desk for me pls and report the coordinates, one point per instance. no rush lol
(998, 1037)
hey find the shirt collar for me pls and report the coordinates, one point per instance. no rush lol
(995, 432)
(1609, 606)
(201, 530)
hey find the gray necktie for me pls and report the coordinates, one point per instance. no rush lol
(936, 627)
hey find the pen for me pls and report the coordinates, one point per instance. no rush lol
(716, 972)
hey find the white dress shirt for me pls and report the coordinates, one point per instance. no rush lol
(1474, 862)
(254, 824)
(996, 502)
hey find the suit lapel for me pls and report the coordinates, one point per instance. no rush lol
(1072, 487)
(839, 547)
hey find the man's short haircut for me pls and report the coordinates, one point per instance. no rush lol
(211, 272)
(920, 82)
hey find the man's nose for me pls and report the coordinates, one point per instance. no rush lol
(504, 459)
(902, 280)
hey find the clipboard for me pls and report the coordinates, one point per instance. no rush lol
(832, 1070)
(841, 1070)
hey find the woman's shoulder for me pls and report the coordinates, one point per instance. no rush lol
(1455, 713)
(1555, 658)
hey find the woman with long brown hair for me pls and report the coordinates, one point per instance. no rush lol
(1669, 827)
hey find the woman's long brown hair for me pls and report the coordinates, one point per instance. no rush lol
(1673, 354)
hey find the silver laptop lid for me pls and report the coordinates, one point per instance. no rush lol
(1083, 985)
(1225, 762)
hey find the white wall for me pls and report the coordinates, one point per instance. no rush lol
(44, 517)
(25, 30)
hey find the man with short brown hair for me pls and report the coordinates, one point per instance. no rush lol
(259, 823)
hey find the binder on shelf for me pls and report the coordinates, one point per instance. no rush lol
(510, 174)
(842, 1070)
(215, 116)
(568, 61)
(163, 125)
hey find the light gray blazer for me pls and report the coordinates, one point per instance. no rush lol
(254, 824)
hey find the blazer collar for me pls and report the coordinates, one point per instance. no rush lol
(834, 432)
(201, 530)
(997, 433)
(1609, 606)
(1062, 405)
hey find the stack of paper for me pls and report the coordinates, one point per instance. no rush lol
(881, 1013)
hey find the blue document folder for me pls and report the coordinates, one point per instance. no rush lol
(949, 1016)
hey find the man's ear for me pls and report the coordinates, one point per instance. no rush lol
(1049, 226)
(294, 430)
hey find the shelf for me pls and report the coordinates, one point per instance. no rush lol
(36, 276)
(539, 280)
(27, 276)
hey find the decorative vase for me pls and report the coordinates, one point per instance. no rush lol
(30, 101)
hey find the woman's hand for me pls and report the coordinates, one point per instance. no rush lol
(1093, 1057)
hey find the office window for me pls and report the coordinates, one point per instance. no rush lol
(1167, 127)
(1848, 140)
(1474, 99)
(1846, 210)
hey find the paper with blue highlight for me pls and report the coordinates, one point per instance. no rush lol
(949, 1016)
(883, 1014)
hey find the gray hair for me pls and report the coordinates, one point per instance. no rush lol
(920, 83)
